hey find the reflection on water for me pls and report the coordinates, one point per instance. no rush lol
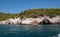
(29, 30)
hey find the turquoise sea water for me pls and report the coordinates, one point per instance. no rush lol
(29, 30)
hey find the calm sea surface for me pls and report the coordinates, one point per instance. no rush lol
(29, 30)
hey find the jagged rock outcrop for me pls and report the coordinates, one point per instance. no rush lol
(33, 21)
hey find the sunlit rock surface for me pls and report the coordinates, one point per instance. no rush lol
(32, 21)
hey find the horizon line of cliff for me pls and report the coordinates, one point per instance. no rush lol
(33, 13)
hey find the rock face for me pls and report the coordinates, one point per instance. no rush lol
(33, 21)
(45, 21)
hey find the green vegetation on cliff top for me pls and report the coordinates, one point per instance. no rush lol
(31, 13)
(36, 12)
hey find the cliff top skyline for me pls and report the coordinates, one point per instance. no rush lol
(16, 6)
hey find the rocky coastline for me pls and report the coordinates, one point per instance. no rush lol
(32, 21)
